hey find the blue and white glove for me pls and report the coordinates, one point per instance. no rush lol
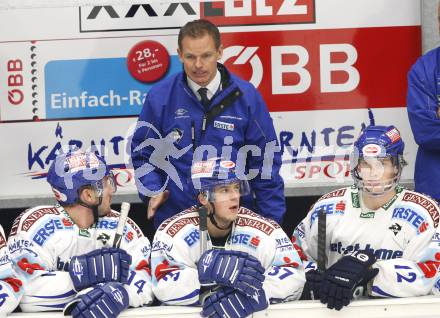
(103, 301)
(312, 285)
(341, 278)
(228, 302)
(99, 266)
(235, 269)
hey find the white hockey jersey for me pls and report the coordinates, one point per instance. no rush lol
(176, 252)
(11, 288)
(402, 234)
(43, 240)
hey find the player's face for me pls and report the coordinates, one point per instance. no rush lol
(107, 194)
(227, 201)
(199, 57)
(376, 173)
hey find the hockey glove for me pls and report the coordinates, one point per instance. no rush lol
(103, 301)
(341, 278)
(99, 266)
(235, 269)
(227, 302)
(312, 285)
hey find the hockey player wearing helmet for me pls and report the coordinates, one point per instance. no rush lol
(377, 163)
(243, 263)
(64, 253)
(379, 239)
(82, 183)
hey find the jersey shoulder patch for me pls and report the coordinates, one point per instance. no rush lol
(191, 211)
(333, 194)
(251, 219)
(31, 216)
(426, 203)
(174, 224)
(251, 213)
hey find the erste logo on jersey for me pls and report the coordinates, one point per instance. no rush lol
(246, 240)
(412, 217)
(48, 229)
(192, 237)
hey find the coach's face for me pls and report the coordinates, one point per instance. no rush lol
(199, 57)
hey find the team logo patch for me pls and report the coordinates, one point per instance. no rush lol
(103, 237)
(224, 125)
(395, 228)
(371, 150)
(227, 164)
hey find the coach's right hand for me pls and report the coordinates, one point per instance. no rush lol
(155, 202)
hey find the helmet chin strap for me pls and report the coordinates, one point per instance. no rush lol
(94, 208)
(214, 221)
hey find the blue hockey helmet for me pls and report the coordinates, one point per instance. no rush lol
(378, 143)
(72, 171)
(209, 175)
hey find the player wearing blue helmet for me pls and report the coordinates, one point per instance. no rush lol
(377, 161)
(64, 253)
(235, 264)
(83, 179)
(374, 238)
(219, 190)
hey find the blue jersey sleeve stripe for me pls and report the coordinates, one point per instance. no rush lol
(190, 295)
(68, 294)
(379, 291)
(61, 306)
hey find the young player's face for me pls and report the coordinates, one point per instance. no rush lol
(199, 57)
(227, 202)
(377, 173)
